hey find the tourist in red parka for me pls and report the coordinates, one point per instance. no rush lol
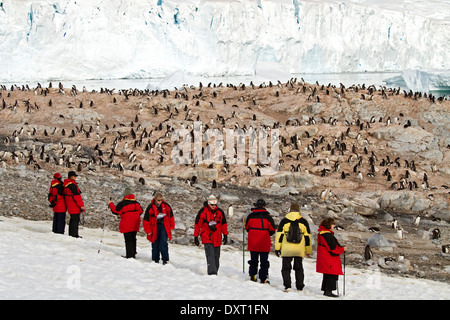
(74, 203)
(129, 211)
(328, 256)
(57, 203)
(210, 224)
(158, 223)
(260, 226)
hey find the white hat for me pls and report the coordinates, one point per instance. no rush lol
(212, 199)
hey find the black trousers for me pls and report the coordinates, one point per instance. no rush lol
(286, 268)
(130, 244)
(329, 282)
(262, 259)
(73, 225)
(59, 222)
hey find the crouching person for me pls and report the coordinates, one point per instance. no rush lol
(129, 211)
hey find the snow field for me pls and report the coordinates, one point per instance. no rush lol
(39, 265)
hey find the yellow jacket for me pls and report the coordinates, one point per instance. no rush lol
(293, 249)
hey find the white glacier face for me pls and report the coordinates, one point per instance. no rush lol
(110, 39)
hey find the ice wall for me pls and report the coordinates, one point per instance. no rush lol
(85, 39)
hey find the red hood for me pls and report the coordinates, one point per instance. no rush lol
(129, 197)
(322, 229)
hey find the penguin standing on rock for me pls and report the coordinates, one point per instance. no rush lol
(400, 233)
(367, 253)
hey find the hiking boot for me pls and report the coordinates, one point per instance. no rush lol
(253, 278)
(265, 281)
(287, 289)
(330, 294)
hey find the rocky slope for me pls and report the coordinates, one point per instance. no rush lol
(369, 157)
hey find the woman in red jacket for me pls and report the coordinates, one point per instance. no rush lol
(57, 203)
(260, 226)
(328, 256)
(130, 212)
(158, 223)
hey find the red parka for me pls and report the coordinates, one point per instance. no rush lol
(260, 227)
(129, 211)
(206, 218)
(328, 253)
(56, 196)
(150, 220)
(72, 195)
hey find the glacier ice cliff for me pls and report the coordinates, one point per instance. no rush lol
(85, 39)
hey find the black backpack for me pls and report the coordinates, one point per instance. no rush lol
(294, 235)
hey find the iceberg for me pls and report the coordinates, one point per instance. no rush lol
(422, 81)
(140, 39)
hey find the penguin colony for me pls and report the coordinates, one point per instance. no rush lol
(129, 132)
(331, 146)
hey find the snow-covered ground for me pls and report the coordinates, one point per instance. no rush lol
(37, 264)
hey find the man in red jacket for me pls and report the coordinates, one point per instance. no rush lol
(57, 203)
(158, 223)
(74, 203)
(210, 224)
(260, 227)
(129, 211)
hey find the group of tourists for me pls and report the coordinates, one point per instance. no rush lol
(292, 244)
(292, 236)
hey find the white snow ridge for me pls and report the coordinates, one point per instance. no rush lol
(37, 264)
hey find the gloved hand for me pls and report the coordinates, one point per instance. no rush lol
(52, 204)
(225, 238)
(278, 253)
(196, 242)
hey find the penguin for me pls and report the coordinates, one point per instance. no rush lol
(360, 177)
(142, 181)
(395, 224)
(374, 229)
(230, 211)
(446, 248)
(417, 220)
(399, 233)
(214, 184)
(368, 253)
(436, 233)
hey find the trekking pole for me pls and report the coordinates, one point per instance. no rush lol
(103, 232)
(243, 244)
(344, 275)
